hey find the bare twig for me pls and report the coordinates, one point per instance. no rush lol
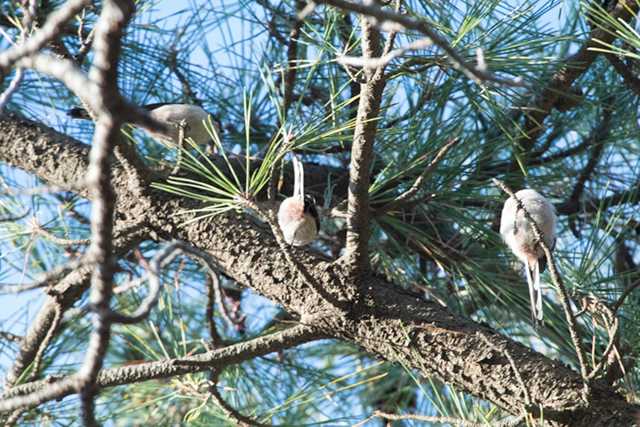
(27, 21)
(85, 42)
(388, 45)
(385, 59)
(12, 88)
(625, 294)
(103, 74)
(292, 69)
(37, 360)
(179, 146)
(610, 323)
(162, 258)
(230, 411)
(37, 229)
(172, 62)
(219, 299)
(216, 339)
(13, 418)
(557, 281)
(8, 336)
(45, 279)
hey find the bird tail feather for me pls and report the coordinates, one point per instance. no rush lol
(538, 287)
(298, 176)
(535, 292)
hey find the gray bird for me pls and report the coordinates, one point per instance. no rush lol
(298, 216)
(193, 116)
(517, 233)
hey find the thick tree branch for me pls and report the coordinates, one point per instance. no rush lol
(357, 254)
(393, 325)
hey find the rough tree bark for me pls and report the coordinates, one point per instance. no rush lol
(389, 324)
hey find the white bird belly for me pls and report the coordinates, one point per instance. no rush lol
(301, 232)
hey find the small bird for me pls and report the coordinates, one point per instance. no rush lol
(192, 116)
(518, 234)
(298, 216)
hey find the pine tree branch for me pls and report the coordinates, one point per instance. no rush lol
(392, 325)
(33, 393)
(69, 290)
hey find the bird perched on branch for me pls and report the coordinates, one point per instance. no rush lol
(192, 117)
(517, 232)
(298, 216)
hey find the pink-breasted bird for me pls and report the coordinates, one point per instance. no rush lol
(518, 234)
(298, 216)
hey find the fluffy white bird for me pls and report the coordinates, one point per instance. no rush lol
(298, 216)
(193, 117)
(517, 233)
